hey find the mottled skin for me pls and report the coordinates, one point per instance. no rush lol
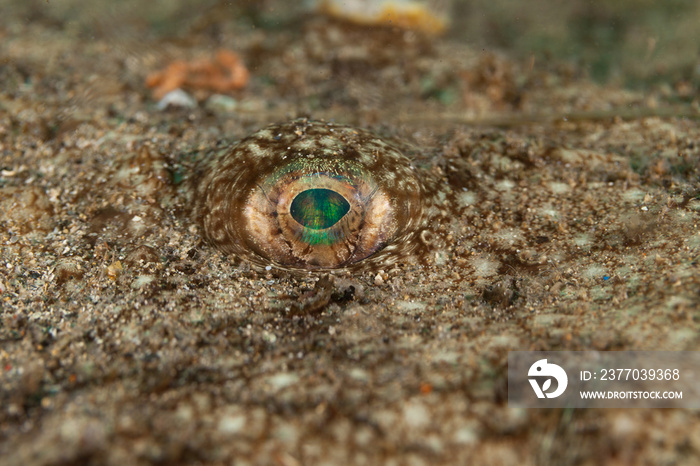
(244, 195)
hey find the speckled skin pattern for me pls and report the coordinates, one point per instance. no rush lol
(244, 197)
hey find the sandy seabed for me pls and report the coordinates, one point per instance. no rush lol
(571, 223)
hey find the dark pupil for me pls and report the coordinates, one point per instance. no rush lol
(318, 208)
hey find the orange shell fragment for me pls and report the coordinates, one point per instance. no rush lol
(406, 14)
(225, 73)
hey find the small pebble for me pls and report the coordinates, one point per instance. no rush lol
(219, 103)
(176, 98)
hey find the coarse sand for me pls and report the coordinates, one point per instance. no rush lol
(571, 223)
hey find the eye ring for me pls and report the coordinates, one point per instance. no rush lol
(311, 195)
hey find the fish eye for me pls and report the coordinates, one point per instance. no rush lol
(318, 208)
(310, 195)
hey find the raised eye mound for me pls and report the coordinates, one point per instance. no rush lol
(312, 195)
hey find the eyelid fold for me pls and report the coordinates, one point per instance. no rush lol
(310, 195)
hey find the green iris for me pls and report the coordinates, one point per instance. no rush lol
(318, 209)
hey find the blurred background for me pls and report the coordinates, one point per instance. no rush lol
(633, 43)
